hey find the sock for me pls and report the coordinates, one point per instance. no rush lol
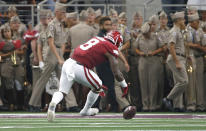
(91, 99)
(57, 97)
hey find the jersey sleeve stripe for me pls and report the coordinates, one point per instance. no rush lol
(89, 79)
(94, 79)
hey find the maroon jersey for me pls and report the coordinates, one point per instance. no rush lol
(92, 53)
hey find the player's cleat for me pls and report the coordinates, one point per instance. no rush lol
(168, 104)
(89, 112)
(51, 112)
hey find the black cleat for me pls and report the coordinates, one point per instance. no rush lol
(168, 104)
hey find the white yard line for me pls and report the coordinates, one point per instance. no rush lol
(100, 119)
(100, 114)
(103, 126)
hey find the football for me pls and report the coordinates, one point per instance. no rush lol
(129, 112)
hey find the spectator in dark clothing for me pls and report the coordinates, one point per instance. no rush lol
(104, 71)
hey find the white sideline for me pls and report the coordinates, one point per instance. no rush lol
(167, 125)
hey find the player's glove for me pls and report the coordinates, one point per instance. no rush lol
(124, 86)
(102, 93)
(125, 91)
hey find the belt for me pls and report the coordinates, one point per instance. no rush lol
(199, 56)
(132, 55)
(158, 55)
(58, 46)
(180, 54)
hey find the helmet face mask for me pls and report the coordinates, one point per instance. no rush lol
(115, 37)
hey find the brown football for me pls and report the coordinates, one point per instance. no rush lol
(129, 112)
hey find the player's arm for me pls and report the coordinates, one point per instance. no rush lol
(118, 75)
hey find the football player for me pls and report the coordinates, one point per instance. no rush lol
(79, 68)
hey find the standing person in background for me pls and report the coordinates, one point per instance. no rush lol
(39, 47)
(196, 43)
(135, 94)
(72, 19)
(148, 48)
(113, 14)
(105, 73)
(177, 60)
(17, 34)
(123, 29)
(12, 71)
(98, 14)
(91, 20)
(54, 55)
(81, 32)
(163, 34)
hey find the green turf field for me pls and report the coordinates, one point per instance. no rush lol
(73, 122)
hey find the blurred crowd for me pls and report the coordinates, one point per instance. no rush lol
(30, 67)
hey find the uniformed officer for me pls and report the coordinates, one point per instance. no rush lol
(196, 42)
(163, 34)
(98, 14)
(71, 19)
(176, 59)
(191, 10)
(113, 14)
(43, 15)
(41, 28)
(12, 11)
(12, 71)
(91, 16)
(135, 94)
(91, 20)
(123, 29)
(148, 48)
(81, 32)
(18, 29)
(54, 57)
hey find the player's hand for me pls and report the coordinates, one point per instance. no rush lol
(125, 91)
(102, 93)
(61, 62)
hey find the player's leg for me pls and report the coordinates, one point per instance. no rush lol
(90, 79)
(66, 81)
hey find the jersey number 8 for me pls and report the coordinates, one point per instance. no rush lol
(91, 43)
